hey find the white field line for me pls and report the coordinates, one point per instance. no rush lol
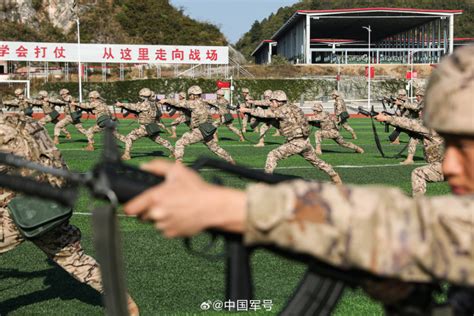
(89, 214)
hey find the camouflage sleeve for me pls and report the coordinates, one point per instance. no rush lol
(86, 105)
(260, 103)
(411, 106)
(409, 124)
(176, 103)
(379, 230)
(13, 103)
(137, 107)
(34, 102)
(266, 113)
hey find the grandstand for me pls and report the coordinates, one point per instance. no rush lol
(398, 35)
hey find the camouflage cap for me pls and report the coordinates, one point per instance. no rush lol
(245, 90)
(63, 91)
(195, 90)
(220, 92)
(43, 94)
(402, 92)
(420, 91)
(18, 91)
(145, 92)
(449, 94)
(94, 95)
(279, 95)
(318, 107)
(267, 93)
(182, 94)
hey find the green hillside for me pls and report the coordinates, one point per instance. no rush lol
(260, 30)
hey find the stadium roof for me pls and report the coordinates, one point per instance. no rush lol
(348, 23)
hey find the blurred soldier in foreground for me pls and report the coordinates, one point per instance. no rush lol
(50, 113)
(328, 125)
(265, 104)
(380, 230)
(201, 125)
(102, 114)
(415, 111)
(294, 127)
(225, 115)
(340, 110)
(25, 137)
(20, 102)
(72, 115)
(183, 116)
(148, 114)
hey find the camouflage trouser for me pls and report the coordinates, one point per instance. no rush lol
(412, 146)
(61, 126)
(247, 118)
(334, 135)
(179, 120)
(47, 119)
(141, 132)
(302, 147)
(229, 126)
(348, 128)
(97, 129)
(195, 136)
(263, 129)
(429, 173)
(62, 245)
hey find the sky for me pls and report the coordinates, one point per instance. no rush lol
(233, 17)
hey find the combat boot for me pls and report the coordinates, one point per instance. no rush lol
(360, 150)
(126, 156)
(354, 136)
(336, 179)
(132, 307)
(242, 139)
(408, 161)
(89, 147)
(261, 143)
(173, 133)
(68, 136)
(56, 140)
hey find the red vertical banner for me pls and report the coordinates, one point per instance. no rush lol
(372, 72)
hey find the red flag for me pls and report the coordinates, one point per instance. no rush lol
(223, 84)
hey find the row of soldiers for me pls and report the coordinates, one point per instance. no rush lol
(274, 110)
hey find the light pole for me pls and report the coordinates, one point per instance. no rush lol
(75, 9)
(369, 30)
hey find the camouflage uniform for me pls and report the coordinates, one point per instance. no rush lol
(222, 105)
(25, 137)
(99, 109)
(265, 126)
(50, 113)
(147, 114)
(379, 230)
(414, 110)
(199, 115)
(183, 116)
(329, 130)
(340, 107)
(246, 105)
(70, 107)
(20, 102)
(433, 149)
(294, 127)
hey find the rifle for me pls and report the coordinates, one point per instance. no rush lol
(116, 182)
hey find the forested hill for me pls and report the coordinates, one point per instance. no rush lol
(104, 21)
(261, 30)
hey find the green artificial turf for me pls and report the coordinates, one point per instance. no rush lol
(162, 276)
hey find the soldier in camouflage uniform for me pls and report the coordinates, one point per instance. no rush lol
(401, 99)
(72, 115)
(294, 127)
(329, 130)
(25, 137)
(201, 126)
(182, 117)
(415, 110)
(372, 228)
(247, 105)
(433, 149)
(148, 114)
(103, 116)
(225, 115)
(265, 104)
(20, 102)
(50, 113)
(340, 110)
